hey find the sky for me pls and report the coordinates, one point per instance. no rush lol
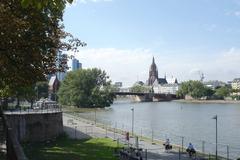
(186, 37)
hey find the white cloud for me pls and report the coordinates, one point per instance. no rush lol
(130, 65)
(237, 13)
(233, 13)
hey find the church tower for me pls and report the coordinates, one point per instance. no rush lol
(153, 73)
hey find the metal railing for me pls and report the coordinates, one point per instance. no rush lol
(205, 149)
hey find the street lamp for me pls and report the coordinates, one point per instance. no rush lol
(95, 114)
(132, 109)
(215, 117)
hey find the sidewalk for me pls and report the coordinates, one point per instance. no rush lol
(79, 128)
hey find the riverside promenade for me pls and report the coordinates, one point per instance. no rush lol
(80, 128)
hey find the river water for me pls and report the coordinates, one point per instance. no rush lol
(175, 120)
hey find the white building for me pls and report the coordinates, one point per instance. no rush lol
(236, 83)
(166, 88)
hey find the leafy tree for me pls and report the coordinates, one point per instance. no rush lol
(25, 93)
(197, 89)
(139, 88)
(193, 88)
(31, 36)
(183, 89)
(58, 4)
(223, 92)
(86, 88)
(41, 89)
(209, 92)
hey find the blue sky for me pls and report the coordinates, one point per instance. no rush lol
(185, 37)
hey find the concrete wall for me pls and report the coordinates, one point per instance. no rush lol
(36, 126)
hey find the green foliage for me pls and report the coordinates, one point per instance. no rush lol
(209, 92)
(41, 89)
(223, 92)
(65, 148)
(137, 88)
(86, 88)
(195, 89)
(31, 37)
(57, 4)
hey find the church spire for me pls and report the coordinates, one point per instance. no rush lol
(153, 73)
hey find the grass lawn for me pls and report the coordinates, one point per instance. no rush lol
(70, 149)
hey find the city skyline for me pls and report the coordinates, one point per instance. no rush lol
(185, 37)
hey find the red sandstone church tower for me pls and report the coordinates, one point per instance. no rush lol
(153, 73)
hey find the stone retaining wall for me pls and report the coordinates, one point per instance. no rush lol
(35, 127)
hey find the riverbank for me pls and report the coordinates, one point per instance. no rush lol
(78, 127)
(208, 101)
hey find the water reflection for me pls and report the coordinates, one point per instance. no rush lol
(176, 119)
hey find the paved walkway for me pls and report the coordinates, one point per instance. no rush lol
(80, 128)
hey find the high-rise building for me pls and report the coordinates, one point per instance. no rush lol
(76, 64)
(61, 75)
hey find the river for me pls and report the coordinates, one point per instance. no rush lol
(175, 120)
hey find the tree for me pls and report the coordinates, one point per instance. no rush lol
(41, 89)
(193, 88)
(209, 92)
(86, 88)
(31, 36)
(138, 88)
(25, 93)
(222, 92)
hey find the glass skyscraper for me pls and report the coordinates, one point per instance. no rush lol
(76, 64)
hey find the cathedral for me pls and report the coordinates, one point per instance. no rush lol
(153, 75)
(161, 85)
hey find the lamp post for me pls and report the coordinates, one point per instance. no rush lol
(132, 109)
(215, 117)
(95, 114)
